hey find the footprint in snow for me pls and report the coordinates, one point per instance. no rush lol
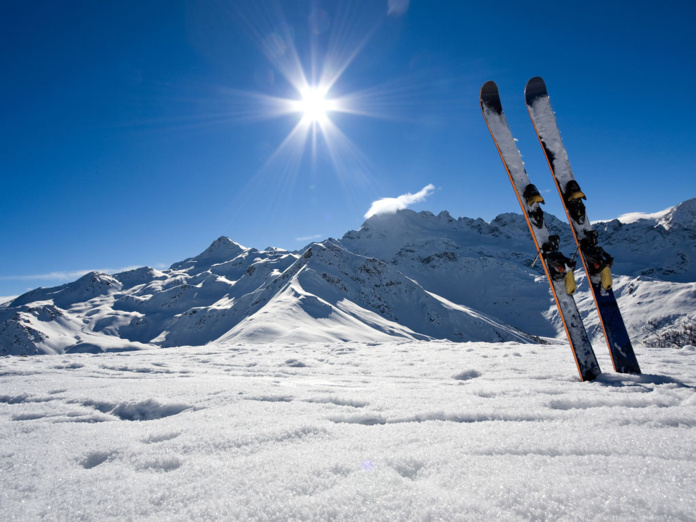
(96, 458)
(467, 375)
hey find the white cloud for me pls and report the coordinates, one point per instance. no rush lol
(308, 238)
(63, 275)
(632, 217)
(51, 275)
(391, 205)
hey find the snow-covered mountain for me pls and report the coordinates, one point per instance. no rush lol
(663, 247)
(406, 275)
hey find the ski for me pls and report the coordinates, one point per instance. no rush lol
(558, 268)
(596, 261)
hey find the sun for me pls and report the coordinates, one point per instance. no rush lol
(314, 105)
(305, 88)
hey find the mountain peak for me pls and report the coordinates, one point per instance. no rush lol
(222, 246)
(681, 216)
(221, 250)
(405, 218)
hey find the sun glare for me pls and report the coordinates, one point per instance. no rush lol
(314, 105)
(309, 92)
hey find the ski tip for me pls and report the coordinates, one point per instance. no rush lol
(490, 97)
(489, 88)
(535, 88)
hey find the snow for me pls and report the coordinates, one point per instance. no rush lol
(658, 309)
(321, 384)
(544, 121)
(402, 276)
(346, 431)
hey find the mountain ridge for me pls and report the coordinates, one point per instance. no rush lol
(404, 275)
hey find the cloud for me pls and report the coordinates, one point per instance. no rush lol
(308, 238)
(391, 205)
(51, 275)
(632, 217)
(63, 275)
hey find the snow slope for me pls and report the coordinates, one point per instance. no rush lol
(332, 294)
(663, 247)
(406, 275)
(346, 431)
(487, 266)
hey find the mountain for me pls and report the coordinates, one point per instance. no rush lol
(663, 247)
(406, 275)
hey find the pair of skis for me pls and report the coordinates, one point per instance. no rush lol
(558, 268)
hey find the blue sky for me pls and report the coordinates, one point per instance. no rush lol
(136, 132)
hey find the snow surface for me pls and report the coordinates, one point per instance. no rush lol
(346, 431)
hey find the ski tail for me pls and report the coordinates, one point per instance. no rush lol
(544, 121)
(491, 106)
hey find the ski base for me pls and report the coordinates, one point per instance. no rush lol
(620, 348)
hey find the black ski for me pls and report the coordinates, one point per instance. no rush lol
(596, 261)
(558, 268)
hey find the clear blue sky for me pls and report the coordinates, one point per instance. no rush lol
(136, 132)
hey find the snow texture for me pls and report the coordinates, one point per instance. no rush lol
(346, 431)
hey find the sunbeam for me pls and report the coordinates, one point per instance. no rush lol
(310, 80)
(311, 83)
